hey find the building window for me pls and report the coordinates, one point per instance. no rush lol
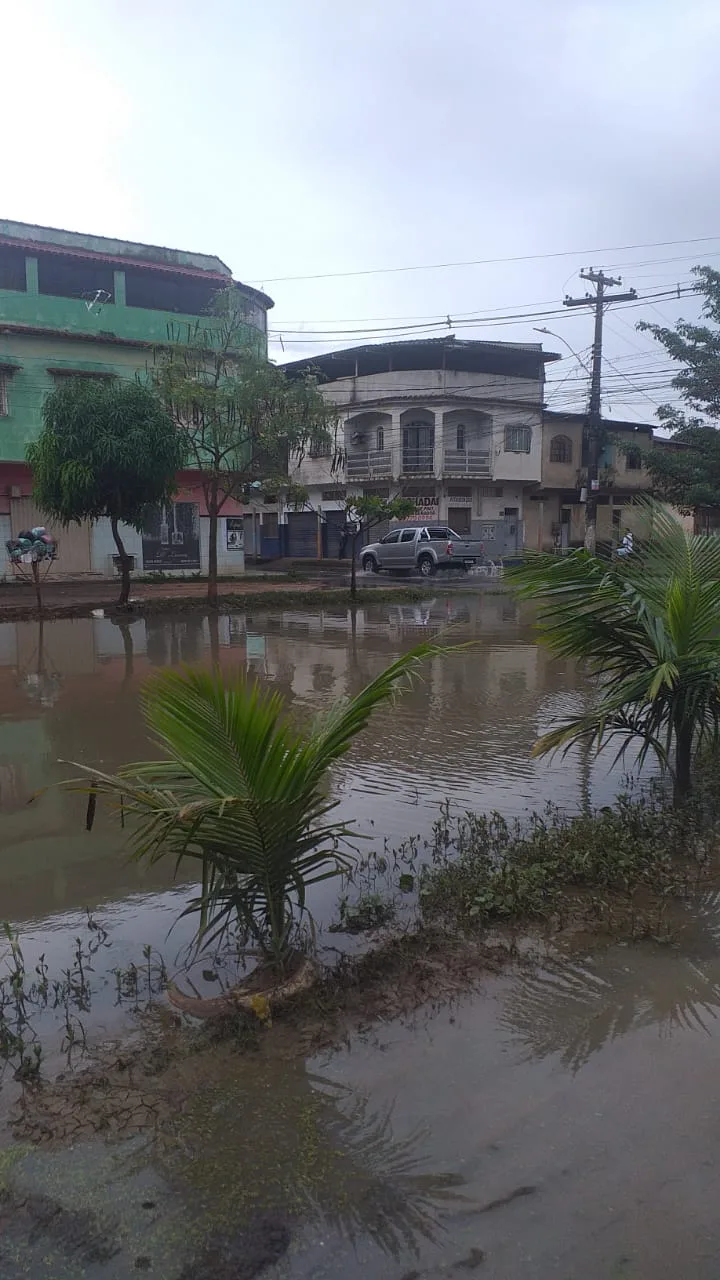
(518, 439)
(460, 437)
(560, 449)
(633, 460)
(380, 439)
(4, 411)
(72, 277)
(320, 449)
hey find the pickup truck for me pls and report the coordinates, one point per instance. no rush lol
(425, 549)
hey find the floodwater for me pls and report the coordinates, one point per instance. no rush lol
(560, 1123)
(69, 694)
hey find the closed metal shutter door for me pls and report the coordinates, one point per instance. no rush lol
(376, 533)
(302, 534)
(334, 525)
(73, 542)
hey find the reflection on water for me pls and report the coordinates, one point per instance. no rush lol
(575, 1008)
(68, 692)
(273, 1138)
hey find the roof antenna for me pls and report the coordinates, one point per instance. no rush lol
(94, 302)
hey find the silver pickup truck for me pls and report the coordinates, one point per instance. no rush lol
(425, 549)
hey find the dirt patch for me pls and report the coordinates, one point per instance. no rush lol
(143, 1089)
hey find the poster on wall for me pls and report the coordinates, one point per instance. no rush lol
(235, 533)
(171, 538)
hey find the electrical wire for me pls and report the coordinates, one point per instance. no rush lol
(483, 262)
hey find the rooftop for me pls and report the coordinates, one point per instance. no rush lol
(27, 235)
(514, 359)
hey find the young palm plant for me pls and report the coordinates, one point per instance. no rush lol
(649, 628)
(242, 791)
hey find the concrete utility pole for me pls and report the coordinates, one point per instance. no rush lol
(594, 416)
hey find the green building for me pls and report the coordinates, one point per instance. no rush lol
(88, 306)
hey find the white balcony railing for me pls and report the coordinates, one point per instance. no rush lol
(372, 464)
(467, 462)
(418, 462)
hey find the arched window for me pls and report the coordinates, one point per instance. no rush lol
(518, 439)
(560, 449)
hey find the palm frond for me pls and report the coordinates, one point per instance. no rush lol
(241, 791)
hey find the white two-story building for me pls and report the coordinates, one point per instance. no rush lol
(456, 425)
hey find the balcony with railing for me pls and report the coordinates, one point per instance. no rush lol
(418, 461)
(467, 462)
(369, 464)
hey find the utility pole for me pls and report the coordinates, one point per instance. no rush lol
(598, 300)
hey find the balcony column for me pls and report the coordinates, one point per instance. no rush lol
(439, 448)
(394, 443)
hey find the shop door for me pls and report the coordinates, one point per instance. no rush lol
(459, 520)
(303, 534)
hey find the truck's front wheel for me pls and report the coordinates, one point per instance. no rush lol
(426, 566)
(370, 564)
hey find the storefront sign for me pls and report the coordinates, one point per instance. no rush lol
(427, 506)
(235, 533)
(171, 538)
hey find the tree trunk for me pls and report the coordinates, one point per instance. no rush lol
(683, 761)
(212, 594)
(124, 564)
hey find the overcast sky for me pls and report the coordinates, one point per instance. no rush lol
(312, 137)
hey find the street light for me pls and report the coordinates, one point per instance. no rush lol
(560, 338)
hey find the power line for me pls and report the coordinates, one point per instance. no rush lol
(315, 337)
(485, 262)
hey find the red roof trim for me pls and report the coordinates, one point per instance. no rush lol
(38, 246)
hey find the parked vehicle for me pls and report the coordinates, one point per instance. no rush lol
(425, 549)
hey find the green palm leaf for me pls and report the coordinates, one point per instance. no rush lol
(243, 791)
(649, 629)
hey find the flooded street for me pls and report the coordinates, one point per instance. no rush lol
(464, 732)
(559, 1122)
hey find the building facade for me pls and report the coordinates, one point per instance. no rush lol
(76, 305)
(455, 425)
(555, 514)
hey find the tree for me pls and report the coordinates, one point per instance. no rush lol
(239, 416)
(649, 627)
(243, 792)
(368, 510)
(686, 470)
(107, 448)
(688, 475)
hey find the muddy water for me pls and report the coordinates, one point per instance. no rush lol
(562, 1123)
(464, 732)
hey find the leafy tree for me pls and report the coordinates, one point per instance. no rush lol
(107, 448)
(239, 416)
(243, 792)
(365, 511)
(649, 627)
(689, 476)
